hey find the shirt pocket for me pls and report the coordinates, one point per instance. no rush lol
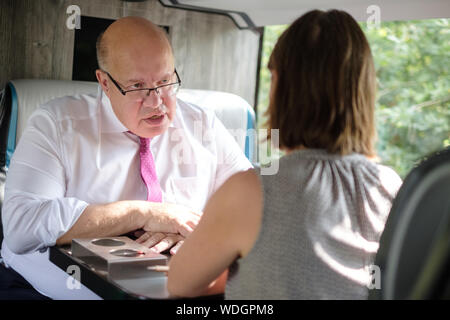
(190, 191)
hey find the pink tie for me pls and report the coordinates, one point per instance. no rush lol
(148, 172)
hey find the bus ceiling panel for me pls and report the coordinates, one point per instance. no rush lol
(256, 13)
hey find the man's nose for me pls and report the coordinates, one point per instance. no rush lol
(152, 99)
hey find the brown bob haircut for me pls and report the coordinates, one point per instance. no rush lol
(324, 96)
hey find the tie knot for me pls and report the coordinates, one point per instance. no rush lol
(145, 144)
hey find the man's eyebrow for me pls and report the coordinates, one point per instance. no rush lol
(164, 77)
(134, 80)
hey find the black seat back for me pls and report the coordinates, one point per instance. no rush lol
(415, 246)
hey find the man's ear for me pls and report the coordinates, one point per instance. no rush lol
(102, 79)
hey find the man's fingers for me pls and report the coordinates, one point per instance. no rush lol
(159, 241)
(142, 236)
(153, 239)
(167, 242)
(185, 229)
(198, 214)
(139, 233)
(192, 224)
(196, 217)
(176, 247)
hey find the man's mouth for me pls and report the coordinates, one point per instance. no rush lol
(156, 119)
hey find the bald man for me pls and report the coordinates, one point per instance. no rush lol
(127, 159)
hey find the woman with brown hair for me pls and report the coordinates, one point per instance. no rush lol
(310, 231)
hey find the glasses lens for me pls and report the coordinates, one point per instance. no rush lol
(137, 95)
(169, 90)
(164, 92)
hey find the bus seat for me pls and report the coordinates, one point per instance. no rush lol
(414, 253)
(28, 94)
(235, 113)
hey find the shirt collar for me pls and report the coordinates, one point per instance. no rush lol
(110, 122)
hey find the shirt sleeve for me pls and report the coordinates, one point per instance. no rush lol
(35, 211)
(230, 158)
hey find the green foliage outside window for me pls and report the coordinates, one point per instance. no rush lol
(412, 60)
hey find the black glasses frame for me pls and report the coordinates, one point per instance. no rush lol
(124, 92)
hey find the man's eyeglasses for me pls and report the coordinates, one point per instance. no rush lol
(164, 91)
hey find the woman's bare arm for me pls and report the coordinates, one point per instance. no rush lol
(228, 229)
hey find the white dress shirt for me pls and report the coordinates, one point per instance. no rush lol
(75, 152)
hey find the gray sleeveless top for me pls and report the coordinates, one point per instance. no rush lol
(322, 219)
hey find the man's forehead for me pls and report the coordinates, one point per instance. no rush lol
(143, 67)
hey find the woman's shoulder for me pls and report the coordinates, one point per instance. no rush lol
(389, 178)
(244, 180)
(240, 190)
